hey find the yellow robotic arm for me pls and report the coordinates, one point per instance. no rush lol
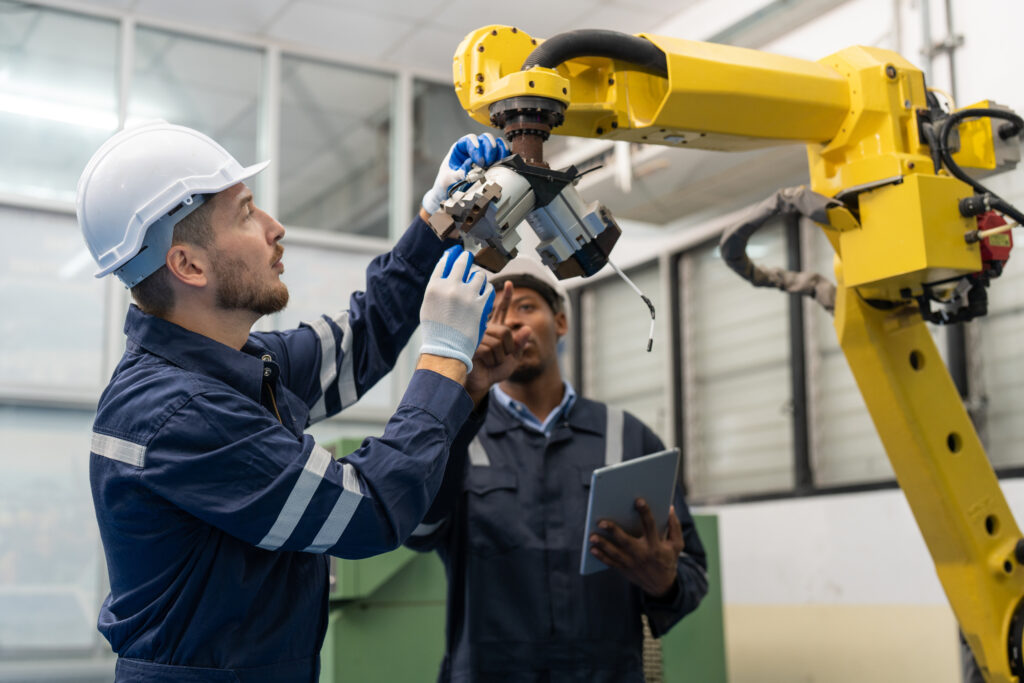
(904, 225)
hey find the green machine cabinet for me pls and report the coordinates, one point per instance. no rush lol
(694, 651)
(396, 633)
(387, 618)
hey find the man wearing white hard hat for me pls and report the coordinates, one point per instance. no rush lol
(509, 520)
(215, 509)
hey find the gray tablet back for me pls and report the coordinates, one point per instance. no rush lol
(613, 493)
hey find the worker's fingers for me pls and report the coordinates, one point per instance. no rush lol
(617, 535)
(675, 531)
(647, 519)
(487, 351)
(606, 550)
(497, 344)
(489, 357)
(520, 337)
(512, 342)
(501, 308)
(508, 342)
(492, 335)
(604, 557)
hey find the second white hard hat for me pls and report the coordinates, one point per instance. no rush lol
(139, 184)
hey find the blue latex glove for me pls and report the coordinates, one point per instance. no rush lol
(468, 151)
(456, 305)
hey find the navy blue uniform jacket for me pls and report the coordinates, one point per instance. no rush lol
(216, 510)
(508, 525)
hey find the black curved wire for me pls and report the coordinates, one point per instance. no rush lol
(1014, 127)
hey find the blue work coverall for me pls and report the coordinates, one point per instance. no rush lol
(508, 525)
(217, 512)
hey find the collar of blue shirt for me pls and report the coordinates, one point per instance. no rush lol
(521, 413)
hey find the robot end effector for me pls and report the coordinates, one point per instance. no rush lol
(488, 207)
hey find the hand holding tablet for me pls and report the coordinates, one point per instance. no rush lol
(613, 494)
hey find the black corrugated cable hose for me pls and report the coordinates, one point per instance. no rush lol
(791, 200)
(1007, 130)
(637, 52)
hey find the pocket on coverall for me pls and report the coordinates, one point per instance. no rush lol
(495, 516)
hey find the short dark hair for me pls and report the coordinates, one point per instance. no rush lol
(154, 294)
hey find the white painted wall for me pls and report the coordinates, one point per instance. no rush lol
(835, 588)
(861, 548)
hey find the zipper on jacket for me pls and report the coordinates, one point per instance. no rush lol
(270, 390)
(273, 402)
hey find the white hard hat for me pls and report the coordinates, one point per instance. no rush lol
(139, 184)
(526, 271)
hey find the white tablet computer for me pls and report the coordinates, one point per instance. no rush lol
(613, 493)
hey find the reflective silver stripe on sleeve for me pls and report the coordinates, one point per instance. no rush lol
(118, 449)
(328, 365)
(341, 515)
(329, 371)
(477, 454)
(614, 436)
(425, 529)
(346, 374)
(298, 500)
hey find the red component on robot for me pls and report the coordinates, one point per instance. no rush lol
(994, 248)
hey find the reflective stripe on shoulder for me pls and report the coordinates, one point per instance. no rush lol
(342, 512)
(128, 452)
(298, 500)
(614, 436)
(477, 454)
(330, 373)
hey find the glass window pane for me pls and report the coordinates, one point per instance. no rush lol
(52, 327)
(50, 559)
(335, 147)
(617, 369)
(997, 371)
(739, 435)
(210, 86)
(58, 97)
(845, 446)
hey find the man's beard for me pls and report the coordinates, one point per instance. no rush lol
(239, 289)
(524, 374)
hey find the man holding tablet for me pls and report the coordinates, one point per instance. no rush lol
(508, 522)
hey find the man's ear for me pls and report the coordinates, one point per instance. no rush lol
(188, 264)
(561, 324)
